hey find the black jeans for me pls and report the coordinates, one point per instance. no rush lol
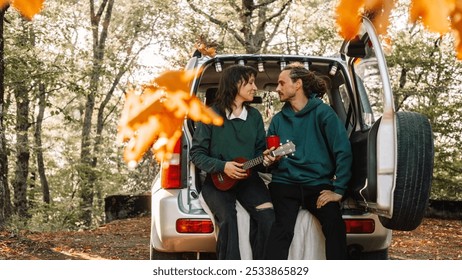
(251, 193)
(287, 200)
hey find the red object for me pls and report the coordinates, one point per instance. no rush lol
(359, 225)
(223, 182)
(171, 169)
(273, 141)
(194, 226)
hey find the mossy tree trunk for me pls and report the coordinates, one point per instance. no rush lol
(38, 144)
(100, 21)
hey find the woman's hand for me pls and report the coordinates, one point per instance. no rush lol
(234, 170)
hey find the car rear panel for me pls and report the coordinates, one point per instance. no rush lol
(380, 239)
(165, 213)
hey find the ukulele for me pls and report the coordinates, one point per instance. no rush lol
(223, 182)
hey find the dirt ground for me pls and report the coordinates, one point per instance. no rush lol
(128, 239)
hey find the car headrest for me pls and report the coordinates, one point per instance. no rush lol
(210, 96)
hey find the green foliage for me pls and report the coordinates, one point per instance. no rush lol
(427, 79)
(15, 224)
(60, 59)
(60, 216)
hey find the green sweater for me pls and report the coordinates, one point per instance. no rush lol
(213, 146)
(322, 148)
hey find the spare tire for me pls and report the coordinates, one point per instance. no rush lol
(414, 171)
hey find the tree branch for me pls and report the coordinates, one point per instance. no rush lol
(232, 3)
(277, 24)
(217, 22)
(104, 32)
(101, 8)
(276, 14)
(264, 3)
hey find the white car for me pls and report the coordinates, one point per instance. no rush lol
(392, 152)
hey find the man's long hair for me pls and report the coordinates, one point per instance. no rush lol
(231, 80)
(311, 83)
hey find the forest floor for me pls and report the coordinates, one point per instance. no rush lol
(128, 239)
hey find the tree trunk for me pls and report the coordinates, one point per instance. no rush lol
(101, 117)
(22, 150)
(3, 156)
(87, 172)
(5, 200)
(38, 144)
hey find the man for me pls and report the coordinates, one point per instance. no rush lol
(315, 177)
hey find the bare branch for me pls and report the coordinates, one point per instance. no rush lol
(276, 14)
(265, 3)
(278, 22)
(101, 8)
(104, 31)
(217, 22)
(232, 3)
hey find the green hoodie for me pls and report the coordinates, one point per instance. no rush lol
(322, 148)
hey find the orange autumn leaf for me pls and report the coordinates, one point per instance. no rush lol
(175, 80)
(153, 115)
(349, 13)
(434, 15)
(381, 11)
(206, 47)
(27, 8)
(456, 24)
(437, 16)
(348, 17)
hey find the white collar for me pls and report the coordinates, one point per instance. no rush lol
(242, 116)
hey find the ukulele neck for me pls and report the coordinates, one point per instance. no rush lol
(253, 162)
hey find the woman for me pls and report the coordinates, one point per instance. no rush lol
(214, 150)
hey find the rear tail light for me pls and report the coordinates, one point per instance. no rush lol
(171, 172)
(359, 225)
(194, 226)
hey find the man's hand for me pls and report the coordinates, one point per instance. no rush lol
(268, 159)
(327, 196)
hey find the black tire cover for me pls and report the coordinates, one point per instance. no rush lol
(414, 171)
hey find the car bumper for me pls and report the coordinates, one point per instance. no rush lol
(378, 240)
(166, 211)
(164, 236)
